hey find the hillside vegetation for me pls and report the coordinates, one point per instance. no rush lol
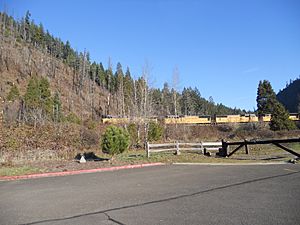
(85, 88)
(290, 96)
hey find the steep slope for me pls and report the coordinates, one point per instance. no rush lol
(85, 88)
(290, 96)
(20, 61)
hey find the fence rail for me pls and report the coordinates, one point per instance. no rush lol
(177, 147)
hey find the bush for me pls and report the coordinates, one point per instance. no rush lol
(89, 138)
(225, 128)
(13, 93)
(72, 118)
(90, 124)
(155, 131)
(133, 133)
(115, 140)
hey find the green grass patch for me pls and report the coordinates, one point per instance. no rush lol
(136, 157)
(15, 171)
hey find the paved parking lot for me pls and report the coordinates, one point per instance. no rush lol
(175, 194)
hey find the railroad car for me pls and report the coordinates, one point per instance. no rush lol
(126, 120)
(265, 118)
(115, 120)
(170, 119)
(227, 119)
(248, 118)
(294, 116)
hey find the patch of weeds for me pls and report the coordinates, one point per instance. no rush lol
(15, 171)
(12, 143)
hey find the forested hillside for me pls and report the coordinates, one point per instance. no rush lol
(290, 96)
(31, 56)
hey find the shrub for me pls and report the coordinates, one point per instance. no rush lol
(133, 133)
(225, 128)
(90, 124)
(13, 93)
(155, 131)
(72, 118)
(89, 138)
(115, 140)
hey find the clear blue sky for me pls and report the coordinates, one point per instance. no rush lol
(222, 47)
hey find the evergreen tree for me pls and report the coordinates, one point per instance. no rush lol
(280, 118)
(45, 95)
(119, 78)
(290, 96)
(128, 92)
(26, 27)
(157, 101)
(101, 75)
(115, 140)
(268, 104)
(155, 131)
(38, 96)
(166, 99)
(32, 95)
(266, 98)
(109, 80)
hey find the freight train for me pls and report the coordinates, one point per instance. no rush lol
(216, 119)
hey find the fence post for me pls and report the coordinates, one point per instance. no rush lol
(202, 149)
(246, 147)
(148, 149)
(177, 148)
(223, 151)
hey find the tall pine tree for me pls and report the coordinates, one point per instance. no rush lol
(268, 104)
(266, 98)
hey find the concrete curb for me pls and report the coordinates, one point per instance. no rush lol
(66, 173)
(232, 164)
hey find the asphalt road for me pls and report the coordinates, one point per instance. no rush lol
(177, 194)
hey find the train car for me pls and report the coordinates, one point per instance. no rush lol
(125, 120)
(205, 120)
(244, 119)
(253, 118)
(248, 118)
(221, 119)
(265, 118)
(294, 116)
(171, 119)
(228, 119)
(153, 119)
(114, 120)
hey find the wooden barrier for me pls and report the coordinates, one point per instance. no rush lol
(277, 142)
(177, 147)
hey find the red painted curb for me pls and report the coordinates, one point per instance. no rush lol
(55, 174)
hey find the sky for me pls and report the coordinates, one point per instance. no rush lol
(221, 47)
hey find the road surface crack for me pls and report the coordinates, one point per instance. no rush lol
(112, 219)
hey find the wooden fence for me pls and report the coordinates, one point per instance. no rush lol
(224, 151)
(177, 147)
(221, 147)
